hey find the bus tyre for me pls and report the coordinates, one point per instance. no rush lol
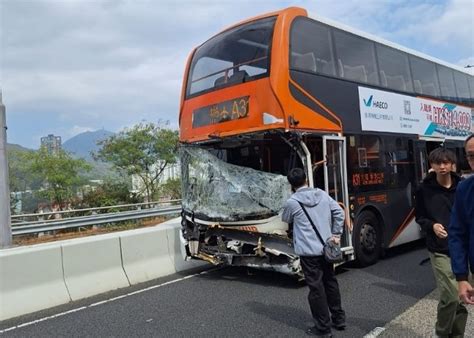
(367, 238)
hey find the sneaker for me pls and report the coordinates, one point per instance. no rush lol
(313, 331)
(339, 326)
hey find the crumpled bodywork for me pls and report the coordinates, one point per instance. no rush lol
(219, 191)
(231, 214)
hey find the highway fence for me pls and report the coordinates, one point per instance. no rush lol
(73, 219)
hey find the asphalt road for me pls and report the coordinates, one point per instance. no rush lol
(233, 302)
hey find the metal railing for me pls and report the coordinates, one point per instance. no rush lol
(88, 211)
(38, 226)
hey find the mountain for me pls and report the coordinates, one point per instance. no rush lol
(83, 144)
(17, 147)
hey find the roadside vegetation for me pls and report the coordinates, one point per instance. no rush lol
(42, 181)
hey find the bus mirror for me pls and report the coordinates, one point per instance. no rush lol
(292, 121)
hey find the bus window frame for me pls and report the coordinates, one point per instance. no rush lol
(377, 44)
(267, 74)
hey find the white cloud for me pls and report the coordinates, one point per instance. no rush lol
(450, 25)
(69, 64)
(442, 29)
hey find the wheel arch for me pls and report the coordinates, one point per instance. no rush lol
(381, 221)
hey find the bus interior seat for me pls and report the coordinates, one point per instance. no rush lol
(325, 67)
(341, 68)
(445, 90)
(428, 88)
(383, 78)
(372, 78)
(238, 76)
(320, 64)
(396, 82)
(306, 62)
(220, 81)
(356, 73)
(417, 85)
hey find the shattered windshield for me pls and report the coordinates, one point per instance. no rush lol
(219, 191)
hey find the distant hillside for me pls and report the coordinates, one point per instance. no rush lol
(83, 144)
(17, 147)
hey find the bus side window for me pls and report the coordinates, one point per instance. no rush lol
(362, 152)
(306, 62)
(369, 152)
(311, 47)
(355, 58)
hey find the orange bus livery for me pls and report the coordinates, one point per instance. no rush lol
(283, 90)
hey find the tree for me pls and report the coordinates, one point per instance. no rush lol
(171, 188)
(21, 180)
(109, 193)
(59, 173)
(20, 176)
(143, 150)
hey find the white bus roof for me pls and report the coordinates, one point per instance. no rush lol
(469, 71)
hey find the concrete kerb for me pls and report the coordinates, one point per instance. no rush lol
(31, 279)
(145, 254)
(93, 265)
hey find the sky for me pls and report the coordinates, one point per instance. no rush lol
(69, 66)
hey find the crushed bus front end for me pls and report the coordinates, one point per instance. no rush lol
(231, 213)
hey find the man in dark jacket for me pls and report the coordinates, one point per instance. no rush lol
(461, 230)
(434, 201)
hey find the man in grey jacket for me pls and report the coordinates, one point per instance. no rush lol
(328, 217)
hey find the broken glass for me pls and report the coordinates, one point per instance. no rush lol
(219, 191)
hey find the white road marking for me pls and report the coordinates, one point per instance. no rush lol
(375, 332)
(104, 301)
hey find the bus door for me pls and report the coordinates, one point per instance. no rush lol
(420, 159)
(421, 149)
(335, 180)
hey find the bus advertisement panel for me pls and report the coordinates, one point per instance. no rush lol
(390, 112)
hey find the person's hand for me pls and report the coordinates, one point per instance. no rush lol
(336, 239)
(466, 292)
(439, 230)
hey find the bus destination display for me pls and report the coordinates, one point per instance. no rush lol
(234, 109)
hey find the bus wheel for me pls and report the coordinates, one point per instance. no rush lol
(367, 238)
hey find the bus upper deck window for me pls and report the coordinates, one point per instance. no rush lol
(356, 58)
(311, 47)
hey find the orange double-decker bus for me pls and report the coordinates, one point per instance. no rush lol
(281, 90)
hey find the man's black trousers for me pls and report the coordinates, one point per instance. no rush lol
(324, 295)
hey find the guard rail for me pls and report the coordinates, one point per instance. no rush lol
(34, 227)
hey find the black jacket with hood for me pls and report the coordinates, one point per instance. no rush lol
(433, 204)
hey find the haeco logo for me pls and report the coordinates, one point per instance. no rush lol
(378, 104)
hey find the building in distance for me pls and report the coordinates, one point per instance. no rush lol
(52, 143)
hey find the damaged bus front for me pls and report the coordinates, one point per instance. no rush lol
(234, 190)
(233, 194)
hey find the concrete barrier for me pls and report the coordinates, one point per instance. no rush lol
(93, 265)
(31, 279)
(42, 276)
(177, 252)
(145, 254)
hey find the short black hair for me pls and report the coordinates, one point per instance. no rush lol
(440, 155)
(468, 139)
(296, 177)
